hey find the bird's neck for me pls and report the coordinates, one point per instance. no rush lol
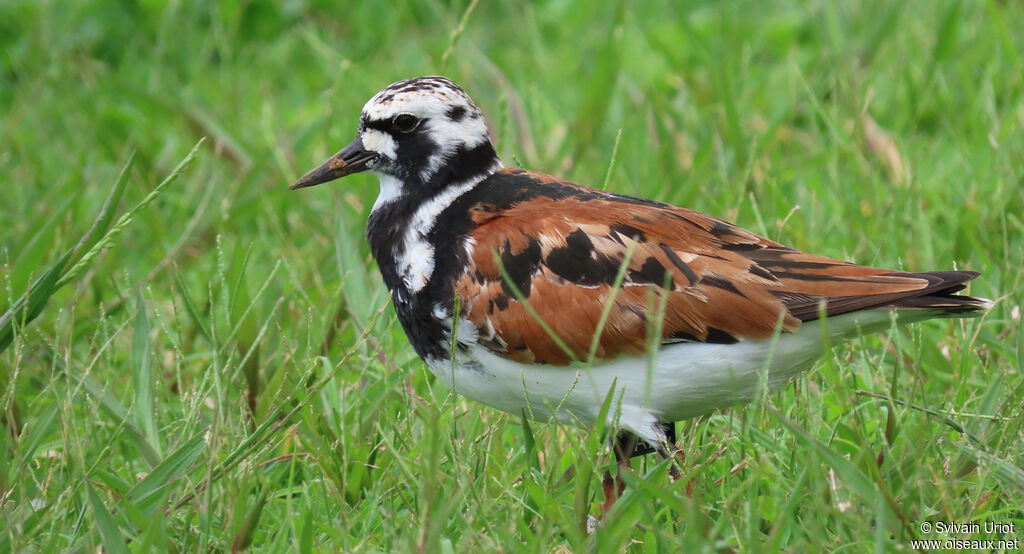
(401, 224)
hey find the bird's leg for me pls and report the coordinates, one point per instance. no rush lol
(628, 446)
(669, 451)
(625, 448)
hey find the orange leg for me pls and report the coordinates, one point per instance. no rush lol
(625, 449)
(628, 446)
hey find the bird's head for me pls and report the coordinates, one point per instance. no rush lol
(421, 133)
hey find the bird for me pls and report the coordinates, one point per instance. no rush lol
(546, 298)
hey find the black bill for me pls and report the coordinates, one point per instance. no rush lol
(350, 159)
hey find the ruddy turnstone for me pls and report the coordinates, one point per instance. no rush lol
(536, 295)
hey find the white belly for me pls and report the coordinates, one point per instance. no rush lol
(683, 381)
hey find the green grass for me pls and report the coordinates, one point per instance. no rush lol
(200, 382)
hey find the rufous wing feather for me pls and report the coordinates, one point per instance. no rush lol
(687, 276)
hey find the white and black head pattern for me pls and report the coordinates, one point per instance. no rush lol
(427, 142)
(418, 136)
(430, 145)
(424, 133)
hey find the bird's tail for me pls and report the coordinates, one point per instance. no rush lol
(940, 296)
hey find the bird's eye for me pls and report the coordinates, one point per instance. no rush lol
(405, 123)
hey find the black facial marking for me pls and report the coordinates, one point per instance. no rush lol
(520, 267)
(678, 262)
(652, 272)
(456, 113)
(628, 231)
(463, 164)
(415, 147)
(378, 124)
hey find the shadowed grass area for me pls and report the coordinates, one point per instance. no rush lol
(220, 375)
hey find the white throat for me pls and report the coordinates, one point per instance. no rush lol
(390, 190)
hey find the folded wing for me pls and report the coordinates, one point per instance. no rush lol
(553, 260)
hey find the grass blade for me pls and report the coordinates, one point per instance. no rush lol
(169, 470)
(117, 411)
(190, 306)
(1008, 474)
(856, 481)
(108, 238)
(28, 307)
(276, 419)
(95, 240)
(142, 374)
(243, 539)
(110, 534)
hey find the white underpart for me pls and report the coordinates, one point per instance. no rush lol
(375, 140)
(465, 332)
(685, 380)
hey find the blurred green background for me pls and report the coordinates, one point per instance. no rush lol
(211, 376)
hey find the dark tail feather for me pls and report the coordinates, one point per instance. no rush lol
(936, 299)
(940, 295)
